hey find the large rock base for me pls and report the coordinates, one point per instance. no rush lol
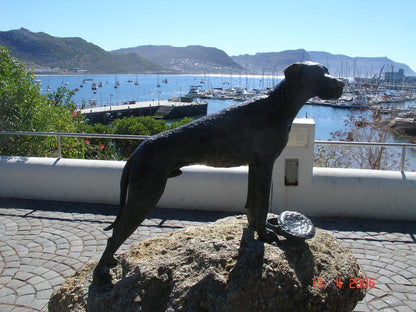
(220, 267)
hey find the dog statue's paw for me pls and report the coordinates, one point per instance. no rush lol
(101, 278)
(112, 262)
(268, 236)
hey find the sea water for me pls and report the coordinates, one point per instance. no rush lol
(327, 119)
(162, 87)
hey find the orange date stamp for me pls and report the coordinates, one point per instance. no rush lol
(353, 283)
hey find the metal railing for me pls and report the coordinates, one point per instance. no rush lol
(59, 135)
(404, 146)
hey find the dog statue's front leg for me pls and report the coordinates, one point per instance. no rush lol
(259, 181)
(250, 197)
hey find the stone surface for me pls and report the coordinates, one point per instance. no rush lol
(220, 267)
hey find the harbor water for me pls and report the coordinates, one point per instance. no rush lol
(162, 87)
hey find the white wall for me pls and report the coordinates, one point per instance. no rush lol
(60, 179)
(352, 193)
(207, 188)
(320, 191)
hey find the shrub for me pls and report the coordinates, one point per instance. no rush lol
(23, 108)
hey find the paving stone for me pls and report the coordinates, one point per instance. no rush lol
(8, 300)
(402, 288)
(372, 257)
(401, 296)
(25, 300)
(9, 271)
(40, 305)
(45, 285)
(386, 273)
(4, 279)
(40, 271)
(385, 280)
(43, 294)
(25, 290)
(15, 284)
(388, 310)
(401, 280)
(404, 308)
(378, 293)
(412, 296)
(378, 304)
(392, 301)
(411, 304)
(36, 280)
(401, 265)
(364, 261)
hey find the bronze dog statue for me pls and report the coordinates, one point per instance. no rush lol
(253, 133)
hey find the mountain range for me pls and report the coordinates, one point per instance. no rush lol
(337, 64)
(48, 54)
(190, 59)
(45, 53)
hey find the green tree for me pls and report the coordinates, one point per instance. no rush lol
(18, 94)
(24, 108)
(180, 123)
(145, 125)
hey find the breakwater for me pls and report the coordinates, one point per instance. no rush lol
(160, 109)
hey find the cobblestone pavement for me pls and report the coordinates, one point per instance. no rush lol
(42, 243)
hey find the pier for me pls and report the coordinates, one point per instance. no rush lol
(164, 109)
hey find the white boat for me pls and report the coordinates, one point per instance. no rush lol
(194, 92)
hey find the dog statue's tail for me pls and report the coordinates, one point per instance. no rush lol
(124, 183)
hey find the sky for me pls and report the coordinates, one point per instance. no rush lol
(372, 28)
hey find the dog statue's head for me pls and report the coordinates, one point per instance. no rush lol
(313, 79)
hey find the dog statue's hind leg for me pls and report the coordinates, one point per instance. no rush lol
(141, 200)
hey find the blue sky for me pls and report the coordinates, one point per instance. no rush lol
(350, 27)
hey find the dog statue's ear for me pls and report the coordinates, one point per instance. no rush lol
(293, 71)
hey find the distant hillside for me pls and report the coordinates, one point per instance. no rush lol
(364, 66)
(341, 65)
(190, 59)
(271, 62)
(42, 51)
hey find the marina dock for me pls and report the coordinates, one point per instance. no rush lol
(164, 109)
